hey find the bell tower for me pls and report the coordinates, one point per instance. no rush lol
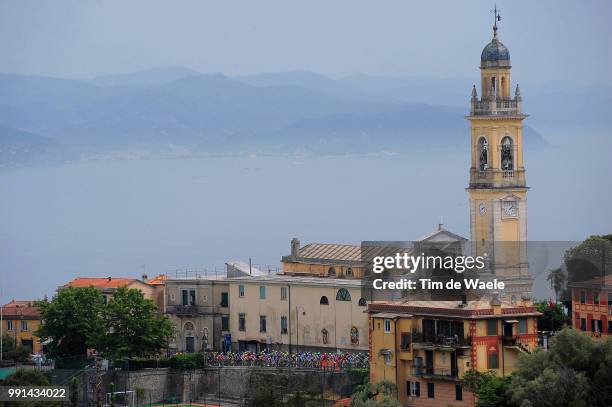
(497, 189)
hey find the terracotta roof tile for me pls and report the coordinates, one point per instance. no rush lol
(107, 282)
(20, 309)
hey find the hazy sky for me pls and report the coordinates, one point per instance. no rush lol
(548, 40)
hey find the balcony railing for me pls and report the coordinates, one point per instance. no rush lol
(497, 178)
(189, 310)
(441, 340)
(486, 107)
(426, 371)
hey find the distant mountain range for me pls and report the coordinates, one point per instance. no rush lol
(161, 109)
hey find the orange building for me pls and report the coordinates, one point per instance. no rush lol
(425, 347)
(592, 305)
(108, 286)
(20, 319)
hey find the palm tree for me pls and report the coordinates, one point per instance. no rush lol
(557, 279)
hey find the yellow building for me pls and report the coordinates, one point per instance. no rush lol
(297, 314)
(425, 347)
(20, 319)
(497, 189)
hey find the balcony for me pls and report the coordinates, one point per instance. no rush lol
(188, 310)
(496, 107)
(421, 341)
(494, 178)
(427, 372)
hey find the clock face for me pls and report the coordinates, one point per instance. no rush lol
(482, 208)
(510, 209)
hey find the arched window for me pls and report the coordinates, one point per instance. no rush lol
(331, 272)
(349, 272)
(362, 302)
(325, 336)
(483, 154)
(507, 154)
(188, 326)
(354, 336)
(343, 295)
(324, 301)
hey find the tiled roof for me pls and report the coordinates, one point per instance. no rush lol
(20, 309)
(597, 282)
(107, 282)
(158, 280)
(473, 309)
(345, 252)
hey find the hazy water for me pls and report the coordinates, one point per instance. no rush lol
(110, 218)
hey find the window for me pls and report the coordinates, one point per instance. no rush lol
(493, 360)
(324, 301)
(388, 359)
(458, 392)
(224, 299)
(431, 390)
(188, 297)
(405, 341)
(240, 290)
(609, 327)
(262, 292)
(283, 293)
(9, 325)
(283, 325)
(225, 323)
(582, 297)
(610, 298)
(596, 325)
(595, 297)
(492, 327)
(507, 153)
(413, 389)
(582, 324)
(343, 295)
(24, 325)
(331, 272)
(362, 302)
(188, 326)
(387, 326)
(241, 322)
(349, 272)
(483, 154)
(522, 326)
(262, 323)
(354, 336)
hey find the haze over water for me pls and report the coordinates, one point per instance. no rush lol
(120, 218)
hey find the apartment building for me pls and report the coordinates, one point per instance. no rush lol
(592, 305)
(20, 319)
(425, 347)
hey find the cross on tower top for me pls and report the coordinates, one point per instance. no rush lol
(496, 18)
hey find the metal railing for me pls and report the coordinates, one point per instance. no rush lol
(444, 340)
(434, 372)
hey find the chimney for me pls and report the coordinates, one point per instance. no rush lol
(145, 278)
(295, 247)
(110, 278)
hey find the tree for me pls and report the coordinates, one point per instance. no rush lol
(383, 394)
(28, 377)
(578, 368)
(557, 278)
(553, 317)
(489, 389)
(73, 321)
(133, 326)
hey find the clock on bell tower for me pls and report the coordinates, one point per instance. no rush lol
(497, 189)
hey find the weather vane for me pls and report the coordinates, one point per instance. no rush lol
(496, 18)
